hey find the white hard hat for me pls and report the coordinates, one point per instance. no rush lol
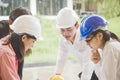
(66, 18)
(27, 24)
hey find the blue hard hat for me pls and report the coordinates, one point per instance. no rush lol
(91, 23)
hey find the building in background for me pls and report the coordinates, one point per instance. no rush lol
(48, 7)
(12, 4)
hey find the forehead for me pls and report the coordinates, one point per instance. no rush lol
(89, 36)
(67, 28)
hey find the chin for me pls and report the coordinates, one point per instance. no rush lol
(67, 39)
(26, 50)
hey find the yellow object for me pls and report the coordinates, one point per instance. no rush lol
(56, 77)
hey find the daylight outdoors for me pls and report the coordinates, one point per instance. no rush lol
(40, 65)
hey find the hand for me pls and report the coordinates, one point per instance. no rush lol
(56, 77)
(95, 57)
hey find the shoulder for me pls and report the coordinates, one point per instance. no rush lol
(112, 48)
(112, 44)
(6, 50)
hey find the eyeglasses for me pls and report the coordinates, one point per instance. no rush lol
(88, 40)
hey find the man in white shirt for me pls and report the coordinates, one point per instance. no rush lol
(67, 22)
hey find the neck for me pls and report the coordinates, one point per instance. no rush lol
(73, 39)
(102, 46)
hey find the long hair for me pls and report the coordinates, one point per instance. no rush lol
(18, 46)
(106, 35)
(4, 28)
(18, 12)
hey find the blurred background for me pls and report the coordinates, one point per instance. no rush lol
(46, 11)
(45, 51)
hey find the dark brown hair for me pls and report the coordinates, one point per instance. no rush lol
(18, 12)
(18, 46)
(4, 28)
(106, 35)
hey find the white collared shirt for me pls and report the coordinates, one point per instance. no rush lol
(109, 67)
(80, 50)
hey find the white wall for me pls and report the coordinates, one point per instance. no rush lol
(70, 4)
(33, 6)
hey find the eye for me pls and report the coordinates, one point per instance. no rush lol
(69, 30)
(62, 30)
(89, 39)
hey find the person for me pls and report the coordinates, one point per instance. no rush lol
(67, 22)
(94, 31)
(19, 11)
(4, 28)
(14, 47)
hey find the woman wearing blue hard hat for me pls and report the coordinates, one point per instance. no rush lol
(93, 30)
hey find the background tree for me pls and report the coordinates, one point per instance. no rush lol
(109, 8)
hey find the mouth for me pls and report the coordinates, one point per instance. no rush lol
(67, 37)
(95, 58)
(90, 46)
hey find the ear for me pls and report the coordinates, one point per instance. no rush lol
(10, 21)
(24, 37)
(99, 36)
(77, 26)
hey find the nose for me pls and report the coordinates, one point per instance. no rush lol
(32, 45)
(65, 33)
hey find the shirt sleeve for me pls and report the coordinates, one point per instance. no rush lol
(109, 64)
(61, 58)
(8, 68)
(87, 65)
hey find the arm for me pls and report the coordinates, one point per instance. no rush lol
(61, 58)
(109, 64)
(8, 68)
(87, 65)
(106, 68)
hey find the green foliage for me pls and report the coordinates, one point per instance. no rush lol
(114, 25)
(50, 37)
(46, 49)
(109, 8)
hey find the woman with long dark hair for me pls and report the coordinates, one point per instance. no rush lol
(98, 37)
(14, 47)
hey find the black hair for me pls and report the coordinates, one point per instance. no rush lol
(18, 12)
(13, 15)
(4, 28)
(106, 35)
(18, 46)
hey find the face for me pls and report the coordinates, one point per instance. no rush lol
(69, 33)
(10, 22)
(95, 41)
(28, 42)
